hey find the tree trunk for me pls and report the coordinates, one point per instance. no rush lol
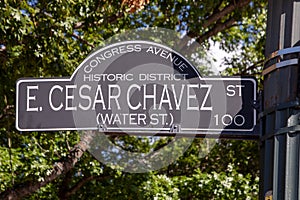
(59, 168)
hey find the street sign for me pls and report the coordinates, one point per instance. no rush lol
(137, 87)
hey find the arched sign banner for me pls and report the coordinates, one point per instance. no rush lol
(138, 87)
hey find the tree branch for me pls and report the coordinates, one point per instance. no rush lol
(225, 11)
(59, 168)
(134, 5)
(82, 40)
(3, 52)
(79, 184)
(255, 65)
(7, 111)
(109, 20)
(219, 27)
(216, 16)
(64, 186)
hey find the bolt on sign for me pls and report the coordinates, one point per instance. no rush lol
(137, 87)
(269, 195)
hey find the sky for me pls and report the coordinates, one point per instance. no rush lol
(219, 55)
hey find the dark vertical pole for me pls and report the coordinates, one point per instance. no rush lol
(280, 141)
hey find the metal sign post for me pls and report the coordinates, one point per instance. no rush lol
(280, 139)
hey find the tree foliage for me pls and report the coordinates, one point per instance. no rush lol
(41, 38)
